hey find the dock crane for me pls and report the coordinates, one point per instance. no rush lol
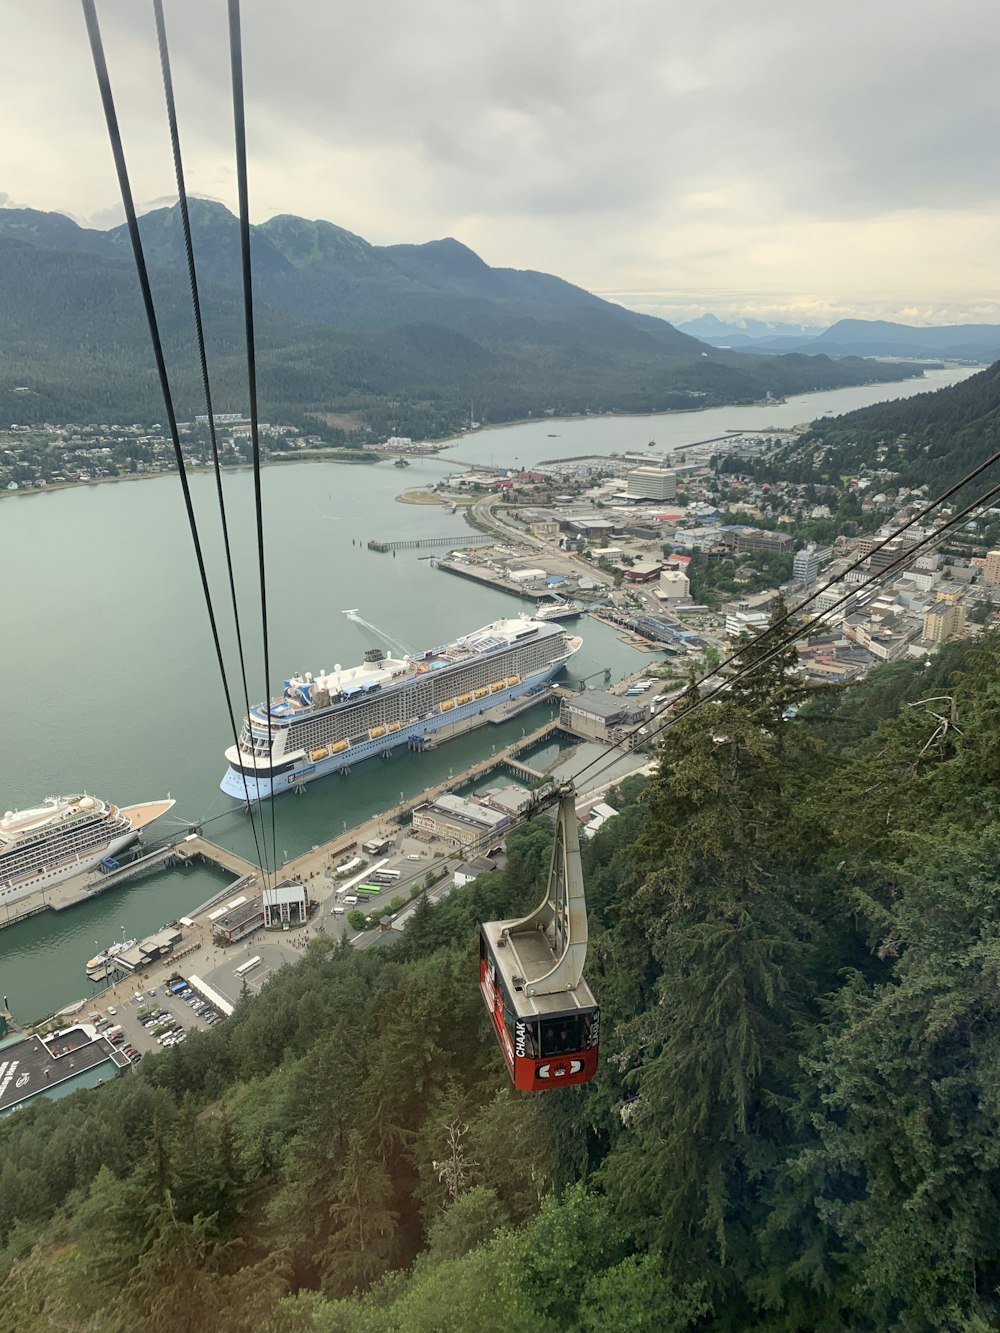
(544, 1016)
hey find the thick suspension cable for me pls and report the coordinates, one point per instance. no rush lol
(182, 200)
(239, 121)
(606, 760)
(803, 631)
(118, 153)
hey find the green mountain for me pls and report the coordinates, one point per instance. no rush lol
(931, 439)
(397, 338)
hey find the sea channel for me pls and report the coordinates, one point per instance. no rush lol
(109, 680)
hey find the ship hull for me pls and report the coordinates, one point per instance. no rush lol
(253, 789)
(50, 878)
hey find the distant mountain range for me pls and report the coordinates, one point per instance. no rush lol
(744, 333)
(406, 339)
(853, 337)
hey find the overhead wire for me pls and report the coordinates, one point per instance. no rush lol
(239, 123)
(128, 204)
(182, 200)
(810, 626)
(605, 761)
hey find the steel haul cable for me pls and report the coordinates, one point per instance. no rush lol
(118, 153)
(239, 121)
(182, 199)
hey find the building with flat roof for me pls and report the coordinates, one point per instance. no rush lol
(75, 1056)
(596, 713)
(651, 483)
(991, 569)
(240, 920)
(287, 904)
(459, 821)
(944, 621)
(805, 566)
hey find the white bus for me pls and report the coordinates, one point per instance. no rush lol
(384, 876)
(248, 966)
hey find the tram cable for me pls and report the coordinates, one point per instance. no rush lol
(239, 122)
(549, 795)
(128, 203)
(182, 200)
(810, 626)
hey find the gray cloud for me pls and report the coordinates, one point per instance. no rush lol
(770, 147)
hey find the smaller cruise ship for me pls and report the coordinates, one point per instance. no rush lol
(65, 836)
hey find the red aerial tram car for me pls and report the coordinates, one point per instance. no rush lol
(545, 1019)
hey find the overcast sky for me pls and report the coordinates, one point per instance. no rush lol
(774, 158)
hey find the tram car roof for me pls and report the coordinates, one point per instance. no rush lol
(523, 958)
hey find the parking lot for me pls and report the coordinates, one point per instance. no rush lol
(142, 1038)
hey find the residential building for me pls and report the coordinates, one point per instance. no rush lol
(652, 483)
(805, 566)
(945, 620)
(991, 570)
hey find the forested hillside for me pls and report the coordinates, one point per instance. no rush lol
(402, 339)
(795, 1128)
(931, 439)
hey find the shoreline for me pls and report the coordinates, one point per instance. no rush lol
(673, 411)
(190, 470)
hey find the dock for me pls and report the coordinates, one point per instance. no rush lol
(466, 538)
(479, 575)
(82, 888)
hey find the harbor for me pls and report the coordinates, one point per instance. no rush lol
(143, 713)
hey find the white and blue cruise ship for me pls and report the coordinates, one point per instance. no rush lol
(335, 719)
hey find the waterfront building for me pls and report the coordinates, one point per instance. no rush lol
(285, 905)
(241, 918)
(674, 586)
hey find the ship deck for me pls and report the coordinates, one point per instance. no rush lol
(145, 812)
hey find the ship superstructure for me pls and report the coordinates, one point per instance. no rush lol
(335, 719)
(64, 836)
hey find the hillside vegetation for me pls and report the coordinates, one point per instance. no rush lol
(796, 1127)
(409, 339)
(931, 439)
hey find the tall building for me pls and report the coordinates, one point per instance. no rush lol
(991, 572)
(805, 565)
(945, 620)
(674, 585)
(652, 483)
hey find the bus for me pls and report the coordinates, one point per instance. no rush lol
(370, 890)
(246, 967)
(384, 876)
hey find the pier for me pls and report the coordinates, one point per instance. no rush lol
(479, 575)
(415, 543)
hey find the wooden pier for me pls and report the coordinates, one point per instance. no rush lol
(415, 543)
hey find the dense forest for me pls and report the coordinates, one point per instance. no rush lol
(795, 940)
(406, 339)
(931, 439)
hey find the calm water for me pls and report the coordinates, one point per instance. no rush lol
(528, 444)
(109, 678)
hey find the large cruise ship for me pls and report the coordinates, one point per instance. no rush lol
(335, 719)
(66, 835)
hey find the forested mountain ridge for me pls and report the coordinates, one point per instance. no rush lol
(795, 1128)
(931, 439)
(402, 338)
